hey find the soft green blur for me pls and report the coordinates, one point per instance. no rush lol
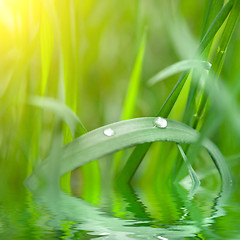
(71, 66)
(83, 54)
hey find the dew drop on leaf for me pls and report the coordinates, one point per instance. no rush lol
(160, 122)
(108, 132)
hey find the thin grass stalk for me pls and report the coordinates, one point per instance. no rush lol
(221, 52)
(132, 93)
(139, 152)
(216, 68)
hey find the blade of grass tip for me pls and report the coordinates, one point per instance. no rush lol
(192, 173)
(139, 152)
(131, 97)
(179, 67)
(62, 111)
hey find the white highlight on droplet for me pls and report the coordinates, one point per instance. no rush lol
(104, 234)
(162, 238)
(108, 132)
(160, 122)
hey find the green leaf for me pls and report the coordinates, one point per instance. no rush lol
(96, 144)
(192, 173)
(179, 67)
(130, 101)
(61, 110)
(138, 154)
(214, 27)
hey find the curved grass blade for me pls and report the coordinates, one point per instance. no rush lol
(96, 144)
(63, 111)
(179, 67)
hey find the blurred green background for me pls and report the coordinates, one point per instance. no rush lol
(82, 54)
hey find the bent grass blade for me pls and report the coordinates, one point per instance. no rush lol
(177, 68)
(95, 144)
(63, 111)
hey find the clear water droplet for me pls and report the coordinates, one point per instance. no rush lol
(104, 234)
(108, 132)
(160, 122)
(162, 238)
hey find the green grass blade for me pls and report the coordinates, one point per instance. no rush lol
(138, 154)
(131, 97)
(211, 13)
(192, 173)
(63, 111)
(221, 51)
(96, 144)
(130, 101)
(221, 99)
(214, 27)
(47, 44)
(213, 8)
(177, 68)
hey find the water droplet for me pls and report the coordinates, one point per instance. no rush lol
(160, 122)
(104, 234)
(162, 238)
(108, 132)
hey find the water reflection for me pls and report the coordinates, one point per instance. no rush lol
(145, 212)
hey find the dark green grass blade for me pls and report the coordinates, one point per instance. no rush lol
(214, 27)
(221, 99)
(95, 144)
(138, 154)
(214, 6)
(221, 51)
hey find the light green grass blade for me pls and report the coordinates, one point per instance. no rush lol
(63, 111)
(192, 173)
(131, 97)
(130, 101)
(96, 144)
(46, 44)
(177, 68)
